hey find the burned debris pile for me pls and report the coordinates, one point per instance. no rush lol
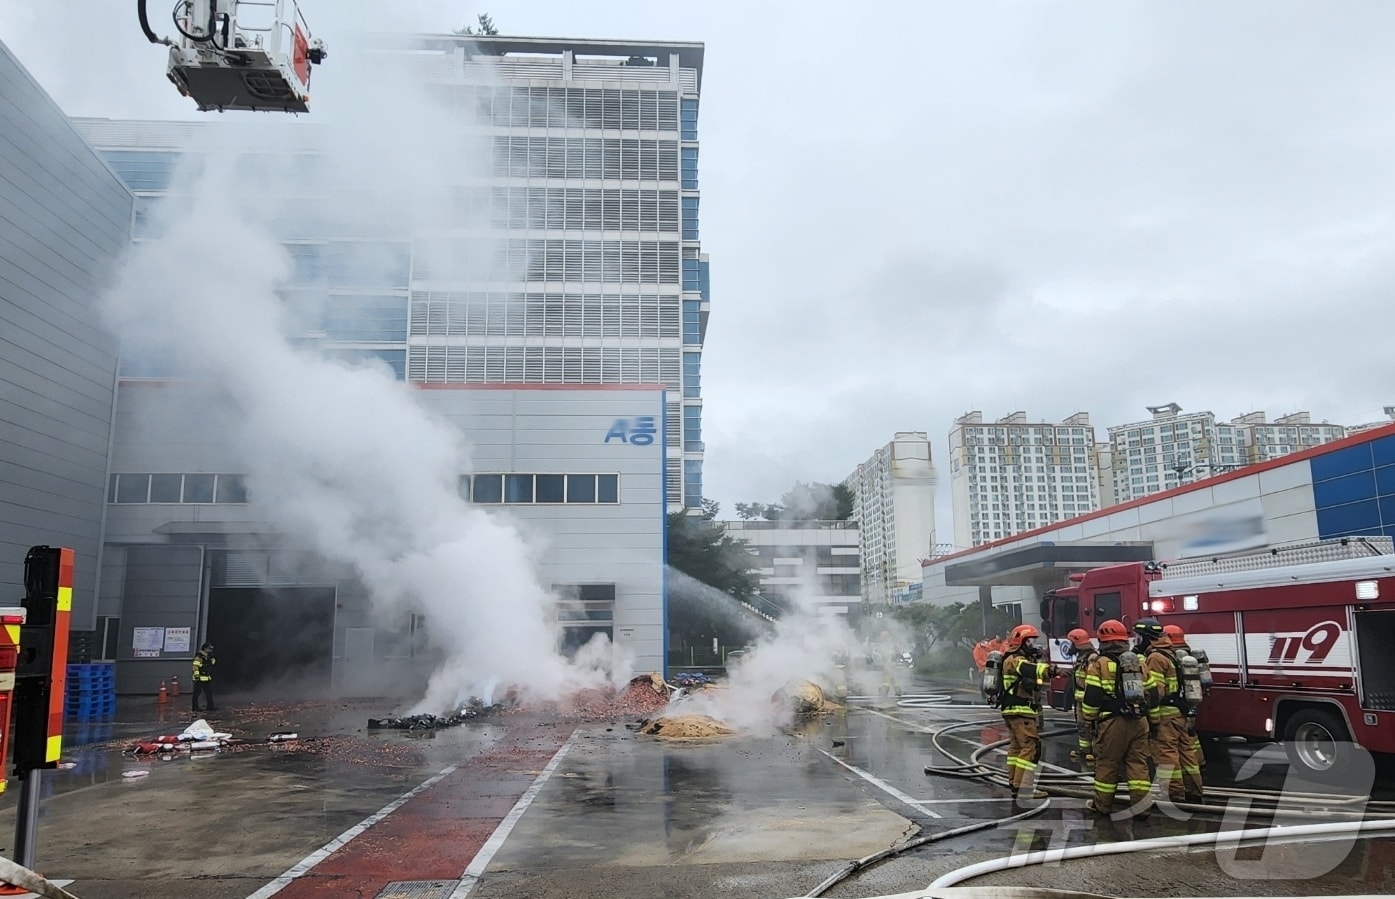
(434, 722)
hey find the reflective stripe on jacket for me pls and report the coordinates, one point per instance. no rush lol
(1161, 684)
(1020, 679)
(1101, 699)
(203, 668)
(1082, 663)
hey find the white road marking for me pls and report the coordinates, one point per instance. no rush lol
(881, 785)
(303, 866)
(486, 854)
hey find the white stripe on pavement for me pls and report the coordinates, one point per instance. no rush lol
(496, 840)
(303, 866)
(883, 786)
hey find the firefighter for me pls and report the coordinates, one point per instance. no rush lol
(1024, 676)
(1167, 713)
(1084, 654)
(203, 676)
(1191, 756)
(1115, 705)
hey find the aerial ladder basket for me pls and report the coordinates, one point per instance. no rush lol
(240, 54)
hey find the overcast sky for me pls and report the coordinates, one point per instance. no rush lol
(918, 209)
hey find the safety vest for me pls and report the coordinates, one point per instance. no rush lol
(203, 668)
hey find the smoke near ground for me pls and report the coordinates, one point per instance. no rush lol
(339, 453)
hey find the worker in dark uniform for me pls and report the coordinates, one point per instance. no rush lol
(203, 677)
(1085, 653)
(1120, 732)
(1024, 676)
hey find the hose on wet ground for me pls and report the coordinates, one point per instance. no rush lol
(20, 876)
(1279, 833)
(853, 867)
(1060, 785)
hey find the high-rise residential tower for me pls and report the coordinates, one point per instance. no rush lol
(1013, 475)
(894, 506)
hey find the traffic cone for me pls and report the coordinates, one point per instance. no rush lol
(164, 696)
(174, 685)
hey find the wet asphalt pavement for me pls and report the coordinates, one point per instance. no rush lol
(515, 805)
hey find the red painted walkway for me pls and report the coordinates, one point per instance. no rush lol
(436, 834)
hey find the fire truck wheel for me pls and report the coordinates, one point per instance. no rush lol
(1317, 744)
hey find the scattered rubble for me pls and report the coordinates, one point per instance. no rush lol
(686, 727)
(644, 695)
(428, 722)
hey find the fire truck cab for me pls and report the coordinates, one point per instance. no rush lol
(240, 54)
(1298, 639)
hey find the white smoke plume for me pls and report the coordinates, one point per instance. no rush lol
(804, 646)
(343, 456)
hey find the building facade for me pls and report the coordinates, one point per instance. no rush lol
(64, 220)
(1011, 475)
(894, 506)
(810, 565)
(1264, 440)
(1345, 488)
(573, 256)
(1174, 449)
(189, 546)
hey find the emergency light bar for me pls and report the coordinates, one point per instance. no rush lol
(1365, 568)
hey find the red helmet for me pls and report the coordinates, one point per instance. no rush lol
(1175, 633)
(1020, 633)
(1080, 638)
(1113, 630)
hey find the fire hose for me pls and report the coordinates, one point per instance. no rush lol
(20, 876)
(1304, 833)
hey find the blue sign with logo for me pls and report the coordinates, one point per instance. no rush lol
(638, 431)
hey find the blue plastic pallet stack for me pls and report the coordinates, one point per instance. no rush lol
(91, 694)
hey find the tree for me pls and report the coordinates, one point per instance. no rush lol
(843, 501)
(702, 549)
(483, 22)
(714, 572)
(804, 502)
(748, 511)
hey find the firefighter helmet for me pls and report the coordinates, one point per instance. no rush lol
(1175, 633)
(1112, 630)
(1080, 638)
(1148, 631)
(1020, 634)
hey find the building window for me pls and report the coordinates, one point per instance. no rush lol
(518, 488)
(533, 489)
(130, 488)
(688, 118)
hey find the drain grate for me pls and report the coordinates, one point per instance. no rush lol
(419, 889)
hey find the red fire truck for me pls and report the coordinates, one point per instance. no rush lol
(1301, 640)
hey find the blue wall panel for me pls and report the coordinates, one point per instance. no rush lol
(1354, 490)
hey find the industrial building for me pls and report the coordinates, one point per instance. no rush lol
(808, 565)
(1345, 488)
(580, 400)
(189, 547)
(894, 507)
(65, 218)
(570, 252)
